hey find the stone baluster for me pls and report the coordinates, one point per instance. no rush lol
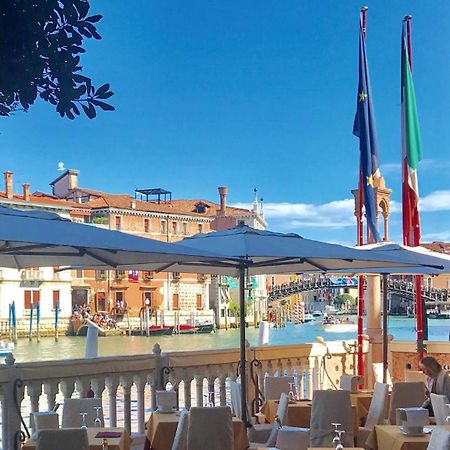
(187, 391)
(280, 368)
(83, 386)
(140, 381)
(211, 388)
(151, 381)
(126, 381)
(223, 390)
(199, 389)
(98, 385)
(51, 388)
(67, 387)
(112, 384)
(34, 390)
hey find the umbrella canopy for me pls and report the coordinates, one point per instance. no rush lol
(38, 238)
(268, 252)
(419, 254)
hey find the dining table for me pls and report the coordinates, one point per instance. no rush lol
(299, 413)
(117, 438)
(390, 437)
(161, 429)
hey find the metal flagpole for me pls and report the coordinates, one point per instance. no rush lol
(385, 325)
(242, 362)
(421, 315)
(360, 242)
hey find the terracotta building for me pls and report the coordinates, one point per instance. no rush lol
(149, 213)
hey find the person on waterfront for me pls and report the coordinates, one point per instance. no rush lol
(438, 379)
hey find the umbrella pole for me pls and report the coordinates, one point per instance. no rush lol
(242, 362)
(385, 326)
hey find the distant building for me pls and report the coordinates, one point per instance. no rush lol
(149, 213)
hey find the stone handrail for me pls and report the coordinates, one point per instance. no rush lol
(119, 380)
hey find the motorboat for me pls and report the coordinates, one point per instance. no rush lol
(333, 325)
(6, 347)
(317, 313)
(307, 317)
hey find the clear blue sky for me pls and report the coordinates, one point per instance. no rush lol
(250, 93)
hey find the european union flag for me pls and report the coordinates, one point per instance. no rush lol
(364, 128)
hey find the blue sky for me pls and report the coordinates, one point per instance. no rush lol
(244, 94)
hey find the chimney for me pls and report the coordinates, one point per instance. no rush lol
(133, 204)
(223, 190)
(8, 184)
(26, 191)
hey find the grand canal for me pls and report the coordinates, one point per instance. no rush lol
(73, 347)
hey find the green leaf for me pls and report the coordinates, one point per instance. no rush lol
(103, 105)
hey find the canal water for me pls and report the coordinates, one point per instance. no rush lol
(73, 347)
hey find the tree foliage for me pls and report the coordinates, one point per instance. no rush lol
(40, 52)
(343, 299)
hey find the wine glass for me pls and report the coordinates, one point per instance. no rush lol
(291, 392)
(98, 421)
(211, 399)
(83, 420)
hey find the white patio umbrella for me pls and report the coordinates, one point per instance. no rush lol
(37, 238)
(267, 252)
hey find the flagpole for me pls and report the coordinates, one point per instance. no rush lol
(414, 238)
(363, 18)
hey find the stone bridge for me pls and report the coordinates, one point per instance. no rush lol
(401, 288)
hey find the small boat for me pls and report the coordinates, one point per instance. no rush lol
(340, 327)
(6, 347)
(307, 318)
(193, 329)
(317, 313)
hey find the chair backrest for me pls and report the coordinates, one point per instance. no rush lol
(235, 394)
(440, 408)
(68, 439)
(377, 407)
(329, 407)
(405, 395)
(275, 386)
(378, 374)
(282, 410)
(210, 428)
(415, 375)
(440, 439)
(72, 408)
(180, 440)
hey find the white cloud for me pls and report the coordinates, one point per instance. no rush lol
(443, 236)
(436, 201)
(424, 165)
(389, 168)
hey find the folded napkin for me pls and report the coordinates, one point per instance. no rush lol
(108, 434)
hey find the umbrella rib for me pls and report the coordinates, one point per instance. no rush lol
(100, 258)
(7, 248)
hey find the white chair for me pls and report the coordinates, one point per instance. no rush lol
(275, 386)
(328, 407)
(350, 382)
(292, 438)
(405, 395)
(440, 439)
(378, 374)
(68, 439)
(265, 433)
(415, 375)
(72, 408)
(180, 440)
(235, 394)
(440, 408)
(375, 415)
(210, 428)
(48, 420)
(166, 400)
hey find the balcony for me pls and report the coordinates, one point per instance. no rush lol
(32, 275)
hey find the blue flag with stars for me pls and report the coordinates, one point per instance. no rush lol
(364, 128)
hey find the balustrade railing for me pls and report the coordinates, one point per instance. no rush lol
(127, 384)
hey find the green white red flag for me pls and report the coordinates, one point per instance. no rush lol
(412, 152)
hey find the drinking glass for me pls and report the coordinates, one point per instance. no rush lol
(447, 419)
(291, 392)
(83, 420)
(211, 399)
(98, 421)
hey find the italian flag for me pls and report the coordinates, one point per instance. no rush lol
(412, 152)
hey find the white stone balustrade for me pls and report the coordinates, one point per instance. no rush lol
(127, 384)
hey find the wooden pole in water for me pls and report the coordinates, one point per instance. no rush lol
(38, 321)
(56, 320)
(30, 329)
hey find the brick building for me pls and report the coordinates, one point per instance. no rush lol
(148, 213)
